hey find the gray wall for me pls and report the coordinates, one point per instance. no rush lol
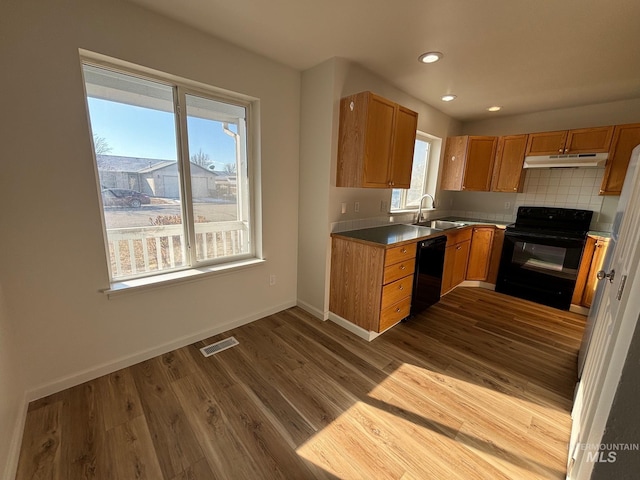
(57, 329)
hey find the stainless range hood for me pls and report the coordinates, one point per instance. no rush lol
(566, 161)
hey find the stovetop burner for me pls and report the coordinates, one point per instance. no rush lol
(553, 219)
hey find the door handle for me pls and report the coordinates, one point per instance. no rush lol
(601, 275)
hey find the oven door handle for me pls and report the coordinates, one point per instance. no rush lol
(533, 236)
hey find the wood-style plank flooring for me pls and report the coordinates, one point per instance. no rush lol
(479, 386)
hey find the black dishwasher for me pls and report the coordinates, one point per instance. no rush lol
(427, 282)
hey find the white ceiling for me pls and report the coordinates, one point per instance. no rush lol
(525, 55)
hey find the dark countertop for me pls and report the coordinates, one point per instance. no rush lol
(399, 233)
(391, 234)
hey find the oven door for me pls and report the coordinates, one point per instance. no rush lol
(540, 267)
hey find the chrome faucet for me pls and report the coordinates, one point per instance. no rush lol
(433, 205)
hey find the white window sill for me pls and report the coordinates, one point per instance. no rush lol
(173, 278)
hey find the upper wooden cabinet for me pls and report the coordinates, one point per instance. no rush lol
(582, 140)
(625, 139)
(508, 175)
(375, 143)
(468, 163)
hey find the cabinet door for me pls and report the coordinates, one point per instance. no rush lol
(378, 143)
(589, 140)
(596, 264)
(403, 146)
(478, 166)
(625, 139)
(460, 259)
(454, 158)
(508, 173)
(546, 143)
(480, 253)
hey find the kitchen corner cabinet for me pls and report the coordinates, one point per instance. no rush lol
(371, 286)
(480, 253)
(508, 174)
(593, 255)
(625, 139)
(468, 163)
(582, 140)
(375, 142)
(456, 257)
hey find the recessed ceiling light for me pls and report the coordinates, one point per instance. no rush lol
(495, 108)
(430, 57)
(448, 98)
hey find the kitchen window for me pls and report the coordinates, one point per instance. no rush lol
(173, 168)
(421, 176)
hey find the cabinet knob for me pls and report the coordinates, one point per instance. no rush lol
(458, 247)
(402, 267)
(398, 310)
(515, 189)
(566, 150)
(401, 287)
(560, 151)
(453, 158)
(404, 250)
(352, 105)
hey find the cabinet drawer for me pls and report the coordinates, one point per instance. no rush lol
(458, 236)
(393, 314)
(398, 270)
(396, 291)
(400, 254)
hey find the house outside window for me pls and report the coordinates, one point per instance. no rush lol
(424, 168)
(173, 172)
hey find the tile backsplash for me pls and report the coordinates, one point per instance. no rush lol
(565, 187)
(556, 187)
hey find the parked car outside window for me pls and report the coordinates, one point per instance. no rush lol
(121, 197)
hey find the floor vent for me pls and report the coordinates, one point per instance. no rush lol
(219, 346)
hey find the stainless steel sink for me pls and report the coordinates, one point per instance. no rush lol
(444, 224)
(441, 224)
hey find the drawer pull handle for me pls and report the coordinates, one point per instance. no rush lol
(401, 287)
(458, 247)
(404, 250)
(402, 267)
(398, 310)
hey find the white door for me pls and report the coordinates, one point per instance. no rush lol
(613, 326)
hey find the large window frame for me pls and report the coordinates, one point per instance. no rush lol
(406, 200)
(246, 177)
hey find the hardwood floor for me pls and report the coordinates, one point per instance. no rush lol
(479, 386)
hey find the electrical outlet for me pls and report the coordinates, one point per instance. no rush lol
(356, 207)
(384, 206)
(507, 205)
(272, 279)
(344, 207)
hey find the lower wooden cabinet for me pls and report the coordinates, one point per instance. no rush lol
(371, 286)
(456, 257)
(480, 253)
(593, 255)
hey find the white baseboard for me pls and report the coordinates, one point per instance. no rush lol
(123, 362)
(353, 328)
(13, 455)
(478, 283)
(579, 309)
(316, 312)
